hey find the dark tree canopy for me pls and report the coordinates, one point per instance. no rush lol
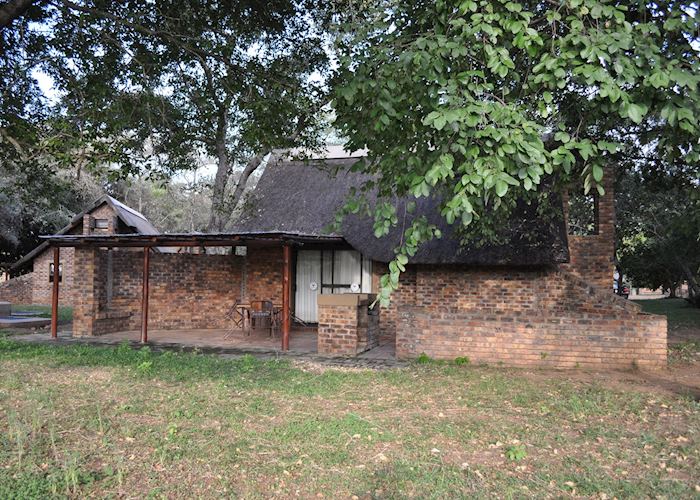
(151, 86)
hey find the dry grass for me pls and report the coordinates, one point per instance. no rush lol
(85, 421)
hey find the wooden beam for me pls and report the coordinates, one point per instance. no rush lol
(286, 289)
(54, 292)
(144, 295)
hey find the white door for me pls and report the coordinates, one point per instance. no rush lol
(328, 272)
(308, 285)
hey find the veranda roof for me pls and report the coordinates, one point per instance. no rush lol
(187, 239)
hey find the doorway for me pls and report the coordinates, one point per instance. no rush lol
(328, 272)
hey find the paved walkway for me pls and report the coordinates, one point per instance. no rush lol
(381, 357)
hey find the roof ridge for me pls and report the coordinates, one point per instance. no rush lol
(126, 207)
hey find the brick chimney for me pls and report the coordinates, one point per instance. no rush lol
(592, 256)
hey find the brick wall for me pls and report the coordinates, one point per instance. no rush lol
(42, 288)
(404, 294)
(17, 290)
(186, 290)
(346, 326)
(525, 317)
(104, 211)
(593, 256)
(263, 269)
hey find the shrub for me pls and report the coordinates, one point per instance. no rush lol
(423, 359)
(516, 452)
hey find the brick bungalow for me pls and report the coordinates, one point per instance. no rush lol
(32, 276)
(541, 298)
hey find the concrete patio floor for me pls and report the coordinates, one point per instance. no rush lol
(302, 342)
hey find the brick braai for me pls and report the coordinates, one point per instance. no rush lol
(346, 325)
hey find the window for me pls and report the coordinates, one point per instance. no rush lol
(101, 224)
(60, 273)
(583, 214)
(345, 271)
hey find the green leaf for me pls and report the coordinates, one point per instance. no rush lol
(636, 112)
(501, 188)
(597, 171)
(440, 122)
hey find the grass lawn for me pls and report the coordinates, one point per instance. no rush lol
(680, 314)
(65, 314)
(88, 421)
(683, 326)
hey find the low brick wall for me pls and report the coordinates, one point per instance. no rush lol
(524, 317)
(346, 325)
(17, 290)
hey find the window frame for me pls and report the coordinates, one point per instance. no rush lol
(60, 272)
(99, 224)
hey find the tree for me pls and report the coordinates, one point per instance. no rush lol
(480, 101)
(659, 232)
(147, 87)
(34, 202)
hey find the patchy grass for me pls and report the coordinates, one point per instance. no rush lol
(65, 313)
(683, 327)
(91, 421)
(680, 313)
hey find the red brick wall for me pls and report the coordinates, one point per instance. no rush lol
(593, 256)
(264, 268)
(186, 290)
(88, 287)
(405, 294)
(525, 317)
(35, 288)
(104, 211)
(337, 330)
(17, 290)
(42, 288)
(347, 329)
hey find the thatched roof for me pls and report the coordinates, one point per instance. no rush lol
(303, 197)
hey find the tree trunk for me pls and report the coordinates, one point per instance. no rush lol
(693, 285)
(223, 171)
(221, 207)
(251, 166)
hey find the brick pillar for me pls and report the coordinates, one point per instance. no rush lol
(592, 257)
(346, 327)
(87, 286)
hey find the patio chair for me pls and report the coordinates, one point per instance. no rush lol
(263, 311)
(236, 316)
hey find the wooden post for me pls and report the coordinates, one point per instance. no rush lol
(144, 296)
(286, 316)
(54, 292)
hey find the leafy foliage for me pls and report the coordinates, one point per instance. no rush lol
(659, 226)
(480, 101)
(148, 87)
(516, 452)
